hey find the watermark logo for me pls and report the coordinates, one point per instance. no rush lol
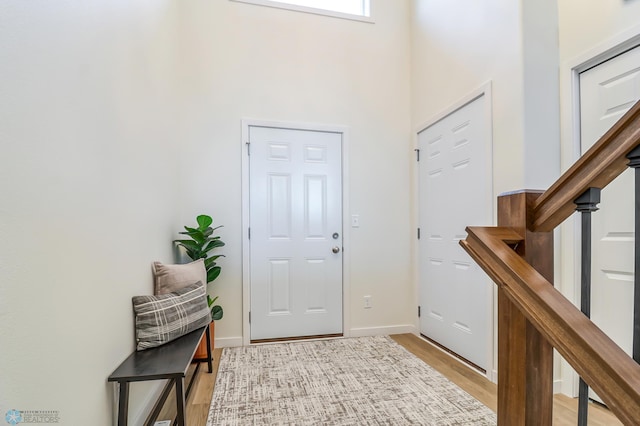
(13, 417)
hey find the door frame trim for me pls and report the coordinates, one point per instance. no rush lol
(346, 231)
(570, 82)
(570, 139)
(483, 90)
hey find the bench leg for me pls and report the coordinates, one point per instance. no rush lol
(123, 403)
(209, 355)
(157, 408)
(180, 402)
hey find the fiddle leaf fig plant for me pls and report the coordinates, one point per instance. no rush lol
(202, 241)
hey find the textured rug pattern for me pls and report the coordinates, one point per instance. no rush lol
(359, 381)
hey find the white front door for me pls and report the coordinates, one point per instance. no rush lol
(455, 191)
(295, 191)
(607, 91)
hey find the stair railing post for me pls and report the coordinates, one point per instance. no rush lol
(586, 204)
(634, 162)
(525, 358)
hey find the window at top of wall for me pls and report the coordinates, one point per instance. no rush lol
(349, 9)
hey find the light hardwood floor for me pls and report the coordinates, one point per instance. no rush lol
(564, 408)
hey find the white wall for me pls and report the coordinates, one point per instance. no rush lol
(458, 46)
(120, 121)
(541, 93)
(583, 28)
(584, 34)
(448, 63)
(89, 188)
(247, 61)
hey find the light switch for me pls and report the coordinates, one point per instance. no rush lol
(355, 221)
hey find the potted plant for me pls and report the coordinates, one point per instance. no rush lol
(199, 246)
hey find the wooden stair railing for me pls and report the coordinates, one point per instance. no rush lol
(600, 165)
(534, 317)
(606, 367)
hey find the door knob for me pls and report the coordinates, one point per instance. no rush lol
(336, 249)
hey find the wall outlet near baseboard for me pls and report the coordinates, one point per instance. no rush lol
(367, 302)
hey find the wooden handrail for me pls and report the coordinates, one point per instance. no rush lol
(533, 315)
(601, 164)
(598, 360)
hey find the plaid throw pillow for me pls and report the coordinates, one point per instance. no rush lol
(163, 318)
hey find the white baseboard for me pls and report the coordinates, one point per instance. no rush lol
(382, 331)
(557, 386)
(232, 342)
(228, 342)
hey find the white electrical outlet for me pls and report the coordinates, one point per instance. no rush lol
(367, 302)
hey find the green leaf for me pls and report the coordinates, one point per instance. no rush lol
(192, 251)
(216, 312)
(204, 221)
(211, 301)
(188, 244)
(191, 254)
(213, 273)
(211, 244)
(196, 234)
(211, 261)
(210, 230)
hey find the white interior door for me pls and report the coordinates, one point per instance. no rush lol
(455, 191)
(295, 193)
(607, 91)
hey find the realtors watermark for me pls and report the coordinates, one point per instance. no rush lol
(14, 417)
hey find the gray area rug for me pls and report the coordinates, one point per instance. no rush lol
(359, 381)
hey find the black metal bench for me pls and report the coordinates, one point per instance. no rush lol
(169, 361)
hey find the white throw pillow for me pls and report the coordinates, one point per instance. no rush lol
(169, 278)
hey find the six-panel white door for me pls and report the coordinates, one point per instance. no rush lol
(607, 91)
(455, 192)
(295, 232)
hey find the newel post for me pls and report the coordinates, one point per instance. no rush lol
(525, 358)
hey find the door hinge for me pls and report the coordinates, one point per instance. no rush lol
(417, 154)
(249, 317)
(249, 233)
(419, 312)
(248, 147)
(418, 233)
